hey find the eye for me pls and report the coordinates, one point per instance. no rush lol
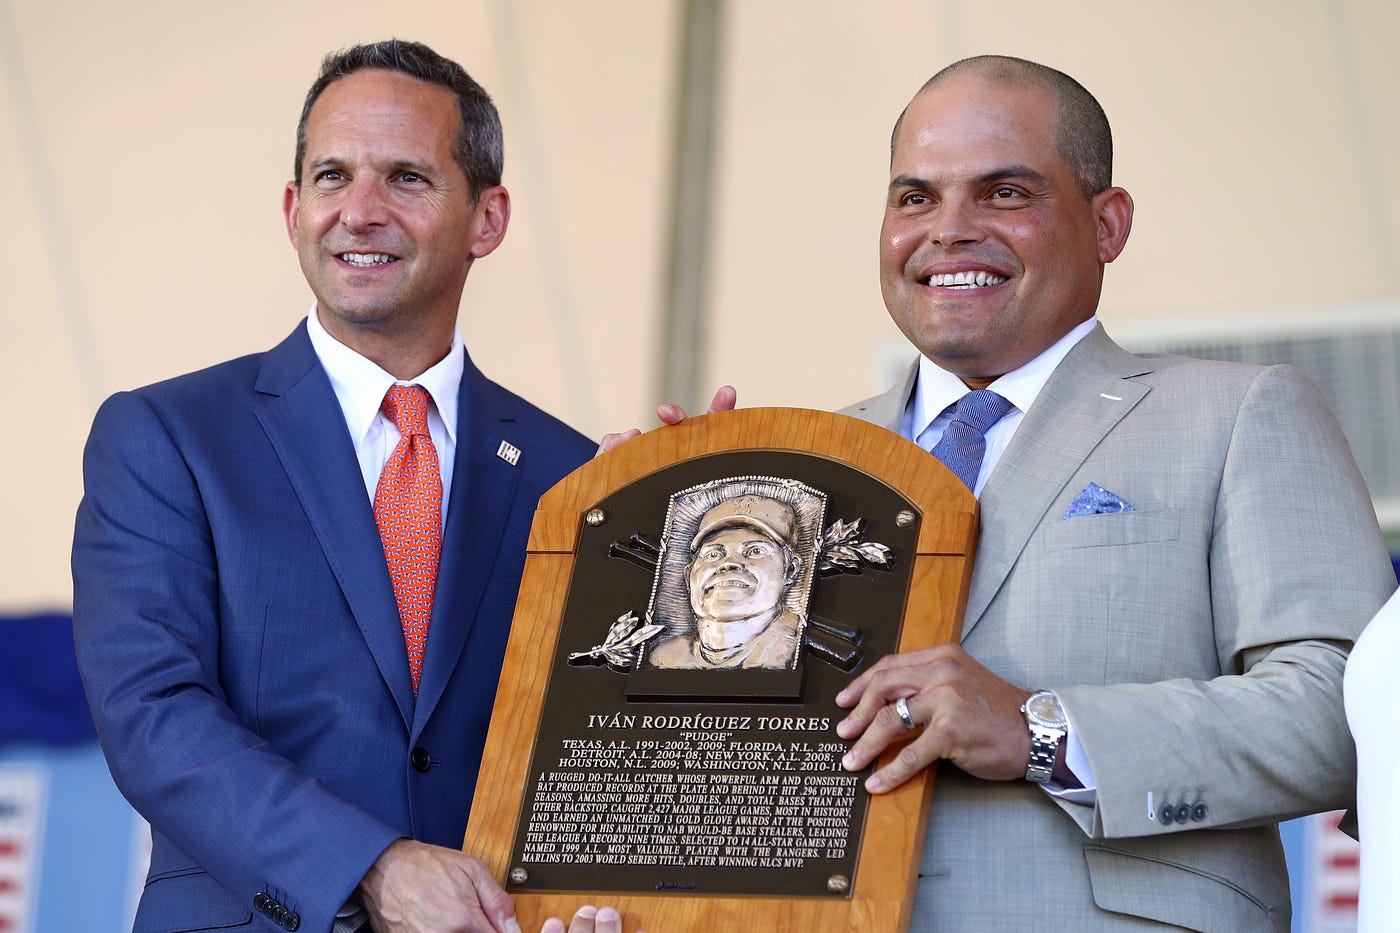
(915, 199)
(1005, 193)
(330, 176)
(757, 550)
(711, 552)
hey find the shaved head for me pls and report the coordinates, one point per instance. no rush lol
(1082, 134)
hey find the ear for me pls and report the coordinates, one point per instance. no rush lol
(291, 209)
(1113, 213)
(794, 567)
(492, 217)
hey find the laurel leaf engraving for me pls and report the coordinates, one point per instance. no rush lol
(843, 549)
(620, 646)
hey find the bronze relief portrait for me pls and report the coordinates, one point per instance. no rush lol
(734, 575)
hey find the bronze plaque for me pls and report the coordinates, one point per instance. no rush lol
(663, 737)
(671, 758)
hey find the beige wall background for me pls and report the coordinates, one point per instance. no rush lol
(144, 147)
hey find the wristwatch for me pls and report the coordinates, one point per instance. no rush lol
(1048, 726)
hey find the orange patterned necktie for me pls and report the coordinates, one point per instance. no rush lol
(408, 510)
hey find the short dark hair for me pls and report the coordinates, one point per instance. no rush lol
(1082, 135)
(479, 147)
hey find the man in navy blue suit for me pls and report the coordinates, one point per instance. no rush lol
(236, 625)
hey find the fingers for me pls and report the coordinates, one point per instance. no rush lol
(894, 676)
(585, 920)
(923, 750)
(960, 710)
(495, 902)
(609, 921)
(612, 440)
(725, 399)
(884, 729)
(588, 919)
(670, 413)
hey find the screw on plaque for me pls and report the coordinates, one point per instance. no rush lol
(838, 884)
(519, 876)
(595, 517)
(904, 519)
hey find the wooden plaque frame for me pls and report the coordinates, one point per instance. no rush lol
(882, 895)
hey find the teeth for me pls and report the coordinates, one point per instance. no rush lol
(368, 259)
(977, 279)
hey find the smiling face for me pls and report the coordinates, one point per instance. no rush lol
(383, 219)
(737, 573)
(989, 252)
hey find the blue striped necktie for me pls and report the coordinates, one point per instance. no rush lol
(964, 441)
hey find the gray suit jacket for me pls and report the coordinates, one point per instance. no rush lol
(1197, 644)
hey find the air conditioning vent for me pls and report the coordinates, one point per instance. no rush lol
(1357, 368)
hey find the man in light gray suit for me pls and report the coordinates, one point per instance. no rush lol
(1175, 556)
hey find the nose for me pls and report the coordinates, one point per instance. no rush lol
(364, 206)
(954, 224)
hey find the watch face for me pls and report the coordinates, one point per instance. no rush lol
(1045, 709)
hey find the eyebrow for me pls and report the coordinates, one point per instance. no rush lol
(401, 165)
(1001, 173)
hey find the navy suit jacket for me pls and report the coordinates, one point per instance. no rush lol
(240, 644)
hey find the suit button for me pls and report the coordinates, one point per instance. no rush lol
(1183, 813)
(260, 902)
(278, 912)
(420, 760)
(1198, 812)
(1168, 814)
(291, 921)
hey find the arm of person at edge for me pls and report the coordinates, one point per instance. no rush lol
(671, 413)
(415, 886)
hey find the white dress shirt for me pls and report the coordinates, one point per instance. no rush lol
(930, 408)
(929, 412)
(360, 386)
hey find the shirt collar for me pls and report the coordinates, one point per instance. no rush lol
(937, 389)
(360, 383)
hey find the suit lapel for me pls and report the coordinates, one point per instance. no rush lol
(304, 423)
(483, 489)
(887, 408)
(1084, 398)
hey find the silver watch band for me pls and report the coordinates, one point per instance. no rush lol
(1045, 745)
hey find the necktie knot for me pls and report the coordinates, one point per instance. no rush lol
(407, 408)
(980, 409)
(964, 440)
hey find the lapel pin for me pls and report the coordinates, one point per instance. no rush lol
(508, 452)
